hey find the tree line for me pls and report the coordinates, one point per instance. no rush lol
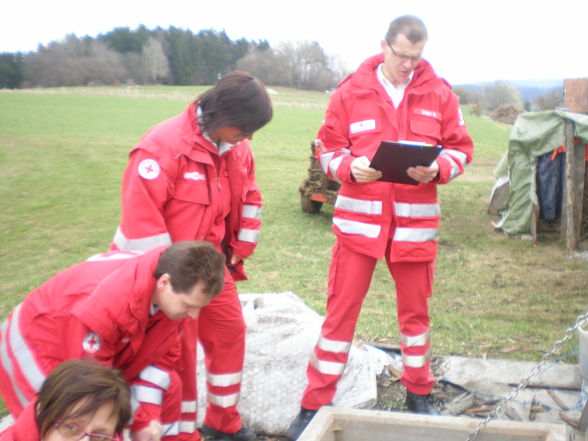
(503, 101)
(170, 56)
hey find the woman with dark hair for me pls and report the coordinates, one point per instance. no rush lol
(192, 178)
(79, 398)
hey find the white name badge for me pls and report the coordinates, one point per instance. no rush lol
(362, 126)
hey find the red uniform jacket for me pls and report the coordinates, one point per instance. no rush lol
(99, 309)
(359, 117)
(23, 429)
(178, 186)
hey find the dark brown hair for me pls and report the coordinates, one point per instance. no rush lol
(408, 25)
(191, 261)
(237, 100)
(79, 387)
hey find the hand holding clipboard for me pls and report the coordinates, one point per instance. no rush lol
(393, 159)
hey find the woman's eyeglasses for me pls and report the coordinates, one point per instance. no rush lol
(76, 433)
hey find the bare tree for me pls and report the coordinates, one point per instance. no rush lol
(263, 63)
(154, 62)
(499, 93)
(550, 100)
(306, 66)
(73, 62)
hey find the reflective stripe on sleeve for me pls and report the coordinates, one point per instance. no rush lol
(143, 244)
(417, 210)
(460, 156)
(7, 364)
(113, 256)
(327, 367)
(251, 211)
(248, 235)
(134, 407)
(415, 361)
(156, 376)
(23, 354)
(336, 346)
(189, 406)
(170, 429)
(224, 401)
(223, 380)
(415, 234)
(354, 227)
(453, 156)
(146, 394)
(359, 205)
(334, 166)
(325, 158)
(415, 340)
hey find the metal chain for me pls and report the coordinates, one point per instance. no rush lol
(546, 357)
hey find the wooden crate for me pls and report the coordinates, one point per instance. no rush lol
(338, 424)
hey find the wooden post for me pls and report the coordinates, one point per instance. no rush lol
(573, 190)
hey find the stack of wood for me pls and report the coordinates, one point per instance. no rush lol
(538, 401)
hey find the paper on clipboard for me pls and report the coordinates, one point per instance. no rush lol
(394, 158)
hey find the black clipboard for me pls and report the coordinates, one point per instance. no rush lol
(394, 158)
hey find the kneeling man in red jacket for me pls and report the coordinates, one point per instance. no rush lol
(123, 309)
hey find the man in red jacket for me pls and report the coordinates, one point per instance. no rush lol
(123, 309)
(192, 177)
(392, 96)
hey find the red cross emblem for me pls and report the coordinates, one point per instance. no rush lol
(148, 169)
(91, 343)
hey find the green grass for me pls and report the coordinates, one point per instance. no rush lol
(63, 151)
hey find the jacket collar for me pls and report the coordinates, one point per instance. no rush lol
(424, 78)
(198, 141)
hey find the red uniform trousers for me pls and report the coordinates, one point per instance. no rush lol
(350, 275)
(220, 328)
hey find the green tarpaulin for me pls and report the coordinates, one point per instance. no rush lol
(533, 134)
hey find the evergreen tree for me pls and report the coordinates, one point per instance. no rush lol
(11, 70)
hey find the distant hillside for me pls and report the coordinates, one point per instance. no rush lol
(529, 89)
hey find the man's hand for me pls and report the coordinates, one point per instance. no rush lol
(424, 174)
(362, 172)
(150, 433)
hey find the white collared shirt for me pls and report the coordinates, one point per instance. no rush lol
(222, 146)
(396, 94)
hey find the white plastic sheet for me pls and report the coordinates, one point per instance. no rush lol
(281, 334)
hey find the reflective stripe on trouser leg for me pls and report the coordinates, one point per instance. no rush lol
(189, 402)
(350, 275)
(221, 331)
(176, 426)
(414, 284)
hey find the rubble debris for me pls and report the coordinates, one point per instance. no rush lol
(556, 399)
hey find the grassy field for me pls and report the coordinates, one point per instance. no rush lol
(63, 151)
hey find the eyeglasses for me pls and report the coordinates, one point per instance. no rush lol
(413, 60)
(76, 433)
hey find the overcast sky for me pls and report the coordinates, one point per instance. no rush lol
(469, 40)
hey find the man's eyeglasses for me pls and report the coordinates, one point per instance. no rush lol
(413, 60)
(76, 433)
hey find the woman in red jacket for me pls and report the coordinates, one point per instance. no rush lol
(80, 398)
(192, 177)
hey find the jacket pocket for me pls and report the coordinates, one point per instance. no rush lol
(426, 129)
(192, 191)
